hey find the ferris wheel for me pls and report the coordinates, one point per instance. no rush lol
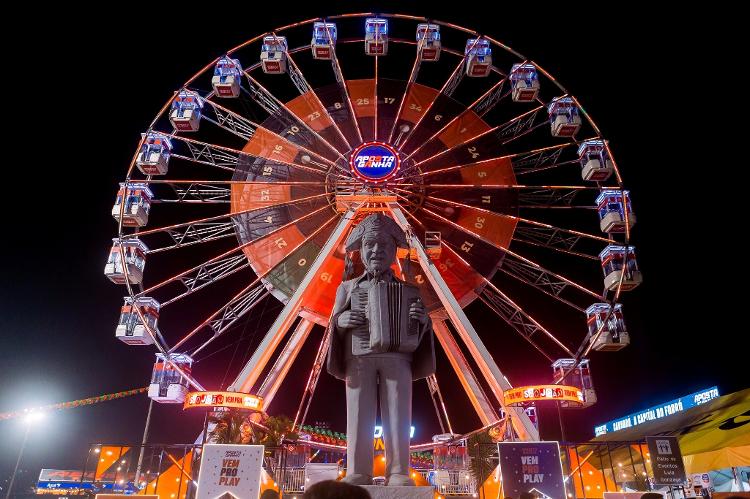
(251, 177)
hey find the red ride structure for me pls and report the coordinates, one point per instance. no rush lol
(499, 169)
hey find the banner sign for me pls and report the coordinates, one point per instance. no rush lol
(229, 400)
(657, 412)
(230, 470)
(666, 460)
(531, 467)
(523, 394)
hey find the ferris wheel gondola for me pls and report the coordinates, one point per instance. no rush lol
(496, 178)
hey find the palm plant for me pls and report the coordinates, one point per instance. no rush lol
(279, 428)
(234, 427)
(229, 427)
(480, 449)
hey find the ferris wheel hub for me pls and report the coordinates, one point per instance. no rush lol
(374, 161)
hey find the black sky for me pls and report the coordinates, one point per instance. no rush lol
(84, 88)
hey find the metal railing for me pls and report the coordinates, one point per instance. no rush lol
(590, 469)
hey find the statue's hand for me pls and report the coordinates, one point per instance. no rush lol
(418, 312)
(350, 319)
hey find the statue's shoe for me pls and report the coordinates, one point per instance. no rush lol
(400, 480)
(357, 479)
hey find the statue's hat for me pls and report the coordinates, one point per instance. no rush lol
(376, 223)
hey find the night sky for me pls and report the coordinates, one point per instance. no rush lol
(80, 102)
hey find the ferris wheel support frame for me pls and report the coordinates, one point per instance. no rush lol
(252, 370)
(487, 365)
(498, 382)
(284, 361)
(204, 192)
(478, 398)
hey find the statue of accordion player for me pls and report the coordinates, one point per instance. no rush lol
(381, 341)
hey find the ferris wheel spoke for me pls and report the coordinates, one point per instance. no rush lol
(552, 231)
(519, 267)
(543, 159)
(513, 314)
(551, 197)
(212, 192)
(481, 106)
(186, 232)
(551, 239)
(228, 159)
(277, 109)
(304, 88)
(447, 90)
(520, 321)
(282, 149)
(343, 88)
(507, 309)
(197, 192)
(229, 120)
(375, 99)
(412, 78)
(529, 196)
(522, 162)
(505, 132)
(223, 318)
(209, 273)
(196, 151)
(221, 265)
(209, 230)
(195, 233)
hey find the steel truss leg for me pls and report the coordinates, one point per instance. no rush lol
(284, 361)
(252, 370)
(439, 403)
(478, 398)
(491, 372)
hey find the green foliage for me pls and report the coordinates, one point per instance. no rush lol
(279, 427)
(229, 428)
(234, 427)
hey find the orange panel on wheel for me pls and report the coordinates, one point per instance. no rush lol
(489, 226)
(467, 125)
(265, 253)
(322, 291)
(266, 144)
(498, 171)
(309, 109)
(251, 196)
(417, 100)
(362, 93)
(460, 278)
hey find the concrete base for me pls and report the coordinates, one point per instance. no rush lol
(397, 492)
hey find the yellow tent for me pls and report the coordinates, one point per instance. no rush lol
(712, 436)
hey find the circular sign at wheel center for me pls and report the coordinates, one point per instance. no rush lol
(374, 161)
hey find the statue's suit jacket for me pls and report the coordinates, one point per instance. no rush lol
(423, 358)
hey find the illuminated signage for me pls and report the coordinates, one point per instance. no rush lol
(657, 412)
(229, 400)
(374, 161)
(534, 393)
(379, 432)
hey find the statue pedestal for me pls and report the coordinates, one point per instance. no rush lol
(399, 492)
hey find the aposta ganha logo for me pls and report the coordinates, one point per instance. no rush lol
(374, 161)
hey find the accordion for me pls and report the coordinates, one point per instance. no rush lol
(386, 306)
